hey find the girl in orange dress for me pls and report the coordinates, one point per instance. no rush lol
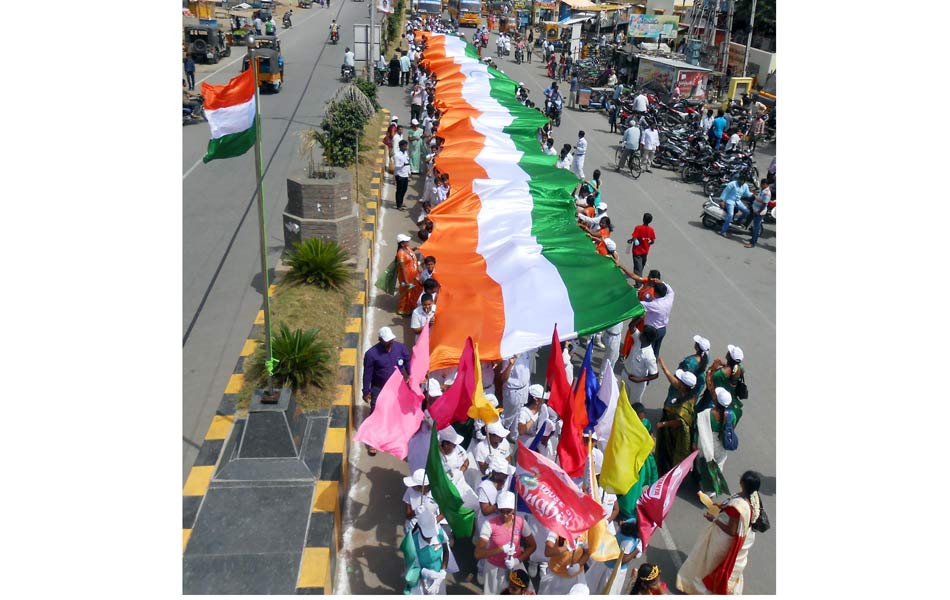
(407, 275)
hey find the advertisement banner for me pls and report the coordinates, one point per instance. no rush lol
(658, 76)
(692, 84)
(653, 26)
(656, 501)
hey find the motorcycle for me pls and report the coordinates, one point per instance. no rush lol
(669, 155)
(519, 55)
(553, 110)
(714, 215)
(381, 73)
(286, 20)
(334, 37)
(189, 116)
(348, 73)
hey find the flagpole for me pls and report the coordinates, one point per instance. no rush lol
(258, 166)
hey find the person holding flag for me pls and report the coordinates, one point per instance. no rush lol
(565, 564)
(455, 461)
(426, 552)
(674, 429)
(500, 542)
(532, 415)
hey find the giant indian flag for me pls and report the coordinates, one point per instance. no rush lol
(512, 261)
(231, 110)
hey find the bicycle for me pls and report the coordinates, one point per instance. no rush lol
(633, 162)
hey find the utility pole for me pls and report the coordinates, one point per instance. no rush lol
(748, 41)
(725, 44)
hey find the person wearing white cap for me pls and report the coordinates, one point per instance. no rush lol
(532, 415)
(515, 378)
(504, 542)
(414, 136)
(496, 445)
(456, 462)
(674, 430)
(418, 498)
(378, 364)
(726, 373)
(712, 454)
(696, 364)
(499, 472)
(565, 565)
(426, 552)
(407, 276)
(640, 365)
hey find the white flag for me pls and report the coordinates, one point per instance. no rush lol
(385, 6)
(608, 394)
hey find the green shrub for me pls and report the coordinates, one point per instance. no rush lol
(345, 131)
(303, 359)
(369, 90)
(318, 262)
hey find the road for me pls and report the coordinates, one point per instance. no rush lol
(724, 292)
(221, 257)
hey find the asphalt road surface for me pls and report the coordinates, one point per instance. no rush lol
(724, 292)
(221, 257)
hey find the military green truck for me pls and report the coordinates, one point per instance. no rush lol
(206, 43)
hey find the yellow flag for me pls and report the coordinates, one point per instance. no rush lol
(629, 445)
(481, 408)
(603, 544)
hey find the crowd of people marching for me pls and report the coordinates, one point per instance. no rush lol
(515, 553)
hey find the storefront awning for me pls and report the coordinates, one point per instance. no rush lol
(578, 4)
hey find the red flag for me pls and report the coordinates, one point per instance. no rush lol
(655, 503)
(570, 449)
(557, 378)
(552, 497)
(452, 406)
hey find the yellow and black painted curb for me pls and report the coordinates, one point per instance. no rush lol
(324, 530)
(324, 539)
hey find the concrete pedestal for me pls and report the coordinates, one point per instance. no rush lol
(322, 208)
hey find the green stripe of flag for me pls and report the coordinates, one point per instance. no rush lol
(232, 144)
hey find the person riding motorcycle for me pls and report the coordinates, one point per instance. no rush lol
(334, 30)
(286, 17)
(380, 70)
(349, 60)
(191, 101)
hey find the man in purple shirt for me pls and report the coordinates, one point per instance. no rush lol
(379, 362)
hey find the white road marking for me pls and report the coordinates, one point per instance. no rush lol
(674, 554)
(193, 167)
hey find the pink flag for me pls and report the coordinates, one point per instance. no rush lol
(452, 406)
(396, 418)
(655, 503)
(419, 367)
(552, 497)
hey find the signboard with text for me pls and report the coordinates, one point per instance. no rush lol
(692, 84)
(653, 26)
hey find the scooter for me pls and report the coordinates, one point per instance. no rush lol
(553, 111)
(348, 73)
(189, 116)
(714, 215)
(286, 20)
(334, 37)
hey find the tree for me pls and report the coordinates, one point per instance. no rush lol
(764, 19)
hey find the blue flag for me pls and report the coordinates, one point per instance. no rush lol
(595, 406)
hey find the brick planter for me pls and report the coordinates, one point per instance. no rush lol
(322, 208)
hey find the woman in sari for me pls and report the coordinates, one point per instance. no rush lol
(415, 147)
(674, 431)
(407, 276)
(719, 557)
(712, 454)
(725, 374)
(697, 364)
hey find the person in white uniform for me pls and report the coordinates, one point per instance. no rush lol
(532, 414)
(515, 377)
(455, 461)
(418, 498)
(640, 366)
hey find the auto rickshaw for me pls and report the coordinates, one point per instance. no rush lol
(270, 69)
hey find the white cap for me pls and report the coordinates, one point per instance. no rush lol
(536, 390)
(686, 377)
(602, 207)
(702, 342)
(723, 397)
(735, 352)
(394, 119)
(402, 237)
(415, 121)
(579, 589)
(498, 429)
(506, 499)
(450, 435)
(418, 477)
(611, 245)
(386, 334)
(491, 400)
(427, 524)
(434, 389)
(500, 465)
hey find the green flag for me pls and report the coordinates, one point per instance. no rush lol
(461, 519)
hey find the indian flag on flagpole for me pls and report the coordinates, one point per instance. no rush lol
(231, 110)
(514, 263)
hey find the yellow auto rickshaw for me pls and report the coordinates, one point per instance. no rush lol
(270, 69)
